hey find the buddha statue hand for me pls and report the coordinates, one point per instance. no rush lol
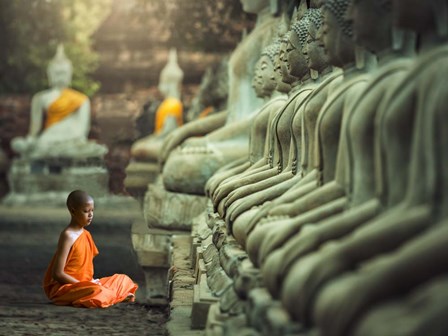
(24, 145)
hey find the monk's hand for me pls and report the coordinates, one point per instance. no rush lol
(96, 281)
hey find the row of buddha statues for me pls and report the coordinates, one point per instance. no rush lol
(324, 178)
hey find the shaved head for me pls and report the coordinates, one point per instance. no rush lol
(78, 198)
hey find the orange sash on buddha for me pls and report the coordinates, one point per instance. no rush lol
(85, 293)
(170, 107)
(68, 102)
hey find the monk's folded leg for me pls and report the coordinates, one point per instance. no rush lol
(121, 285)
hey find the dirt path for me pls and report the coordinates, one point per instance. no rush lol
(27, 243)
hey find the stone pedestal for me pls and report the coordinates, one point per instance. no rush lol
(50, 180)
(138, 176)
(171, 211)
(154, 253)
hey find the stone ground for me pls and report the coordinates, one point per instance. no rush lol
(28, 238)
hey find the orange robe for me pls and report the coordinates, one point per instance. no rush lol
(170, 107)
(85, 293)
(68, 102)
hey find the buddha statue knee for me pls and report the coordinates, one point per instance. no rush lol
(67, 119)
(418, 261)
(423, 311)
(198, 163)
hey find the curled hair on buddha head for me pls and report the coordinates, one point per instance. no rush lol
(301, 29)
(315, 17)
(339, 10)
(272, 50)
(77, 198)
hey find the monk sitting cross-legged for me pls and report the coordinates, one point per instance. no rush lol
(69, 277)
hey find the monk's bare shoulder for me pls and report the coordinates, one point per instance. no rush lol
(68, 237)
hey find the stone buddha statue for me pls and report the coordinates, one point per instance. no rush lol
(322, 197)
(401, 219)
(60, 119)
(56, 156)
(302, 145)
(169, 114)
(358, 139)
(200, 158)
(265, 167)
(411, 231)
(268, 85)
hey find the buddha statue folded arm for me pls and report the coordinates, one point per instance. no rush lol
(199, 127)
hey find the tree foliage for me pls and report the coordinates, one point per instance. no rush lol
(31, 31)
(205, 25)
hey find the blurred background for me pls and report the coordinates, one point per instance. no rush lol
(118, 49)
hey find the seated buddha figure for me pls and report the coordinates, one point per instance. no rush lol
(324, 196)
(412, 231)
(357, 144)
(406, 197)
(268, 85)
(169, 114)
(187, 169)
(60, 119)
(298, 174)
(280, 135)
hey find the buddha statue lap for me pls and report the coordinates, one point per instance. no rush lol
(202, 157)
(404, 218)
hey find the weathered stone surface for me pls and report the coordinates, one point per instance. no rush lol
(168, 210)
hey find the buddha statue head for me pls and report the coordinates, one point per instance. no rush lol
(337, 32)
(314, 49)
(60, 70)
(171, 77)
(422, 16)
(267, 69)
(284, 79)
(372, 23)
(297, 37)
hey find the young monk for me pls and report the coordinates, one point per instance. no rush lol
(69, 277)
